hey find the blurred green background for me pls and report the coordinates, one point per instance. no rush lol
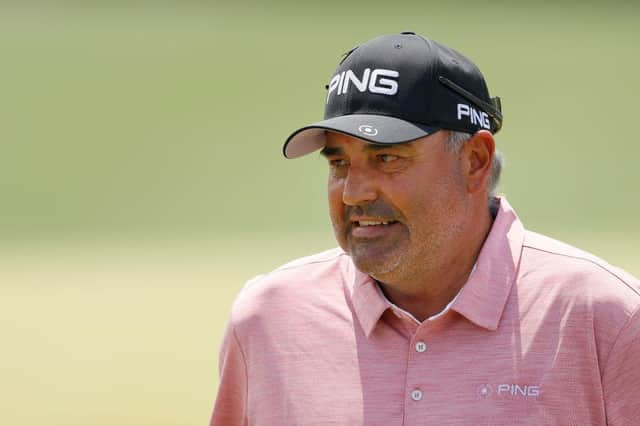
(142, 181)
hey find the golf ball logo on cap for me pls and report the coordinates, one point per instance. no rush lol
(367, 130)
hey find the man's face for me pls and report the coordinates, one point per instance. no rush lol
(397, 210)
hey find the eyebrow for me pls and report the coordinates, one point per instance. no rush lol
(328, 151)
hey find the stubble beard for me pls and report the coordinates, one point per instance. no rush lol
(377, 261)
(407, 259)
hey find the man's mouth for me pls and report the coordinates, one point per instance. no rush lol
(362, 223)
(372, 228)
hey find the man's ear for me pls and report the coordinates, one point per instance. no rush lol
(477, 155)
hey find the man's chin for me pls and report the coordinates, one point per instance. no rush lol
(374, 262)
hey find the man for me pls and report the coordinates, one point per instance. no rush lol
(439, 307)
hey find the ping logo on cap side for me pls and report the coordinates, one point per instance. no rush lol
(380, 80)
(479, 118)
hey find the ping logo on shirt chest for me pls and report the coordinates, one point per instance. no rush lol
(514, 390)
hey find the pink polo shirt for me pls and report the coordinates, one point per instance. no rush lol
(541, 334)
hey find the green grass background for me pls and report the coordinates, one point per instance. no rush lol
(142, 181)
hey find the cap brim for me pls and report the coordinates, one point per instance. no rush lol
(378, 129)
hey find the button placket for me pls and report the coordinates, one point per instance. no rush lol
(418, 351)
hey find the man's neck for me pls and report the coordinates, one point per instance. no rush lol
(430, 294)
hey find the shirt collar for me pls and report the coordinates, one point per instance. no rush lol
(483, 297)
(368, 303)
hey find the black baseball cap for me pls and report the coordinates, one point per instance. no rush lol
(398, 88)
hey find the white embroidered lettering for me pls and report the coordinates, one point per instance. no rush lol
(380, 81)
(384, 86)
(479, 118)
(509, 390)
(361, 85)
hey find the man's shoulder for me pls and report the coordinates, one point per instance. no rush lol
(298, 269)
(297, 282)
(303, 265)
(561, 264)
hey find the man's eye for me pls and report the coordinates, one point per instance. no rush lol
(338, 163)
(387, 158)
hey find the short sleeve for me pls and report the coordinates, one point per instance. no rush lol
(231, 401)
(621, 377)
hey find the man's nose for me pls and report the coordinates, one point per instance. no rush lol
(359, 187)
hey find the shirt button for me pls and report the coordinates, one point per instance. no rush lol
(421, 347)
(416, 395)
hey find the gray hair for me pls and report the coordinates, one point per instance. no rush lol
(456, 140)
